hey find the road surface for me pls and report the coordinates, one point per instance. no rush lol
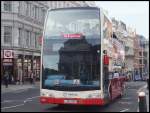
(27, 100)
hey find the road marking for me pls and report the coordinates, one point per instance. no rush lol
(32, 97)
(143, 87)
(126, 98)
(26, 100)
(20, 90)
(12, 106)
(124, 110)
(125, 102)
(5, 101)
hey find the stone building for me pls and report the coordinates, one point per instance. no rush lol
(126, 36)
(21, 26)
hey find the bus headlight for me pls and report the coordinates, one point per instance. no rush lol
(42, 94)
(47, 94)
(94, 96)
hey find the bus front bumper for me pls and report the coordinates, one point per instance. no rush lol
(76, 101)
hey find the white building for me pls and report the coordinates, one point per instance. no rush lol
(21, 27)
(126, 35)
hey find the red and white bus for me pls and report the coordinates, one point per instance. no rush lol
(82, 63)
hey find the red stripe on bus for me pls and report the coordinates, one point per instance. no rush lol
(49, 100)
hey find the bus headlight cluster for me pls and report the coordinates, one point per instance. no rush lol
(94, 95)
(47, 94)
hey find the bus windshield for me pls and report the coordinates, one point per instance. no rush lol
(71, 50)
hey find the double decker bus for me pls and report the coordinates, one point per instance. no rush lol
(82, 63)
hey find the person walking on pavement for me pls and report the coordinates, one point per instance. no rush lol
(31, 77)
(34, 78)
(20, 76)
(6, 79)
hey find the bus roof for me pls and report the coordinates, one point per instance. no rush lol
(66, 8)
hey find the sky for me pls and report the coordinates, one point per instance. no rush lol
(133, 13)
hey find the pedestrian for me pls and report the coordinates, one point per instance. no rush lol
(34, 78)
(12, 79)
(6, 79)
(31, 77)
(19, 78)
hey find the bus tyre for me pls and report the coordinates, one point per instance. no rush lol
(61, 105)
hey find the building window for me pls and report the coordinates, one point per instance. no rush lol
(7, 6)
(36, 12)
(140, 53)
(33, 11)
(25, 8)
(28, 9)
(43, 15)
(27, 38)
(8, 34)
(19, 8)
(39, 16)
(140, 61)
(30, 43)
(35, 40)
(20, 35)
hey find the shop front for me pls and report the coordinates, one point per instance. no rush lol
(36, 67)
(29, 63)
(7, 62)
(13, 60)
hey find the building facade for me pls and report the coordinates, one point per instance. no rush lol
(126, 35)
(144, 53)
(21, 28)
(138, 56)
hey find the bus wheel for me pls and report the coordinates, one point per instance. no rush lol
(61, 105)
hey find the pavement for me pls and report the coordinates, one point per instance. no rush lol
(144, 89)
(14, 87)
(28, 101)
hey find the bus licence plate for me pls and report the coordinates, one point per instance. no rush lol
(70, 101)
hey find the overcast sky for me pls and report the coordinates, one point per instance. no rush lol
(135, 14)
